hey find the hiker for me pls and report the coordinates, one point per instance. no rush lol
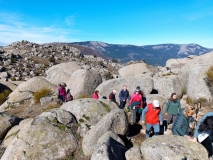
(112, 96)
(143, 98)
(204, 132)
(62, 92)
(173, 107)
(123, 96)
(95, 95)
(136, 103)
(58, 90)
(153, 117)
(181, 125)
(69, 96)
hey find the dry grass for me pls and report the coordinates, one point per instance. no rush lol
(209, 74)
(84, 96)
(189, 100)
(184, 91)
(51, 106)
(41, 93)
(3, 96)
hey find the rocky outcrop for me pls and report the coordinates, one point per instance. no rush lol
(83, 82)
(167, 85)
(109, 146)
(115, 121)
(7, 121)
(88, 110)
(133, 153)
(26, 89)
(61, 72)
(172, 147)
(133, 69)
(146, 84)
(47, 136)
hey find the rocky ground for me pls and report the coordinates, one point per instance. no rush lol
(86, 128)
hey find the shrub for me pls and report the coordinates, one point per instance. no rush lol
(189, 100)
(209, 74)
(94, 55)
(13, 79)
(41, 93)
(101, 63)
(114, 60)
(108, 76)
(3, 95)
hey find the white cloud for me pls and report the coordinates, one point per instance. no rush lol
(13, 28)
(70, 20)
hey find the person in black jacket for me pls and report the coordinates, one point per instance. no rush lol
(181, 124)
(112, 96)
(123, 96)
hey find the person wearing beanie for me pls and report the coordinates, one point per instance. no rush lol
(153, 117)
(112, 96)
(136, 103)
(123, 96)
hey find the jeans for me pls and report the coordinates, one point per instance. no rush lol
(122, 104)
(155, 126)
(62, 98)
(171, 118)
(208, 145)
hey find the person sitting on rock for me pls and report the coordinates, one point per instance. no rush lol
(112, 96)
(62, 93)
(123, 96)
(136, 103)
(204, 132)
(173, 107)
(181, 125)
(95, 95)
(153, 117)
(69, 96)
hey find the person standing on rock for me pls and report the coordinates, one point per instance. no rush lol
(173, 107)
(136, 103)
(112, 96)
(62, 92)
(123, 96)
(204, 132)
(95, 95)
(181, 125)
(153, 117)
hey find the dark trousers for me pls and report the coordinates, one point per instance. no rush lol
(122, 104)
(135, 115)
(171, 118)
(208, 145)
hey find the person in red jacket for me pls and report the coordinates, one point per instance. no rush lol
(95, 95)
(136, 103)
(153, 117)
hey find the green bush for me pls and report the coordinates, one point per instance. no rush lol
(41, 93)
(3, 96)
(209, 74)
(108, 76)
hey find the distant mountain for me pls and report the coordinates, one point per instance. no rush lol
(152, 54)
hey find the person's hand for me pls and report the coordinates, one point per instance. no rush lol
(143, 122)
(188, 137)
(161, 123)
(194, 140)
(165, 113)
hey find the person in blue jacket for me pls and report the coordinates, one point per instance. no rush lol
(204, 132)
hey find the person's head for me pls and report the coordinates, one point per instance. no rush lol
(138, 88)
(207, 124)
(96, 91)
(189, 111)
(124, 87)
(155, 103)
(59, 84)
(173, 97)
(114, 91)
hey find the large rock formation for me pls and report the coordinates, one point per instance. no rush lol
(133, 69)
(109, 146)
(25, 90)
(170, 147)
(146, 84)
(115, 121)
(133, 153)
(89, 110)
(83, 82)
(61, 72)
(47, 136)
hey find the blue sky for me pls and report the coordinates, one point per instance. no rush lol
(137, 22)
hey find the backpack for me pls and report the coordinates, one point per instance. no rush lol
(69, 97)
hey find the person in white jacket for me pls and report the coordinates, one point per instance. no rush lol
(204, 132)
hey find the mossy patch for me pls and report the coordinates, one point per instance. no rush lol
(81, 120)
(12, 135)
(86, 117)
(108, 109)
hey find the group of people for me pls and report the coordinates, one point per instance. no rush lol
(178, 117)
(63, 94)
